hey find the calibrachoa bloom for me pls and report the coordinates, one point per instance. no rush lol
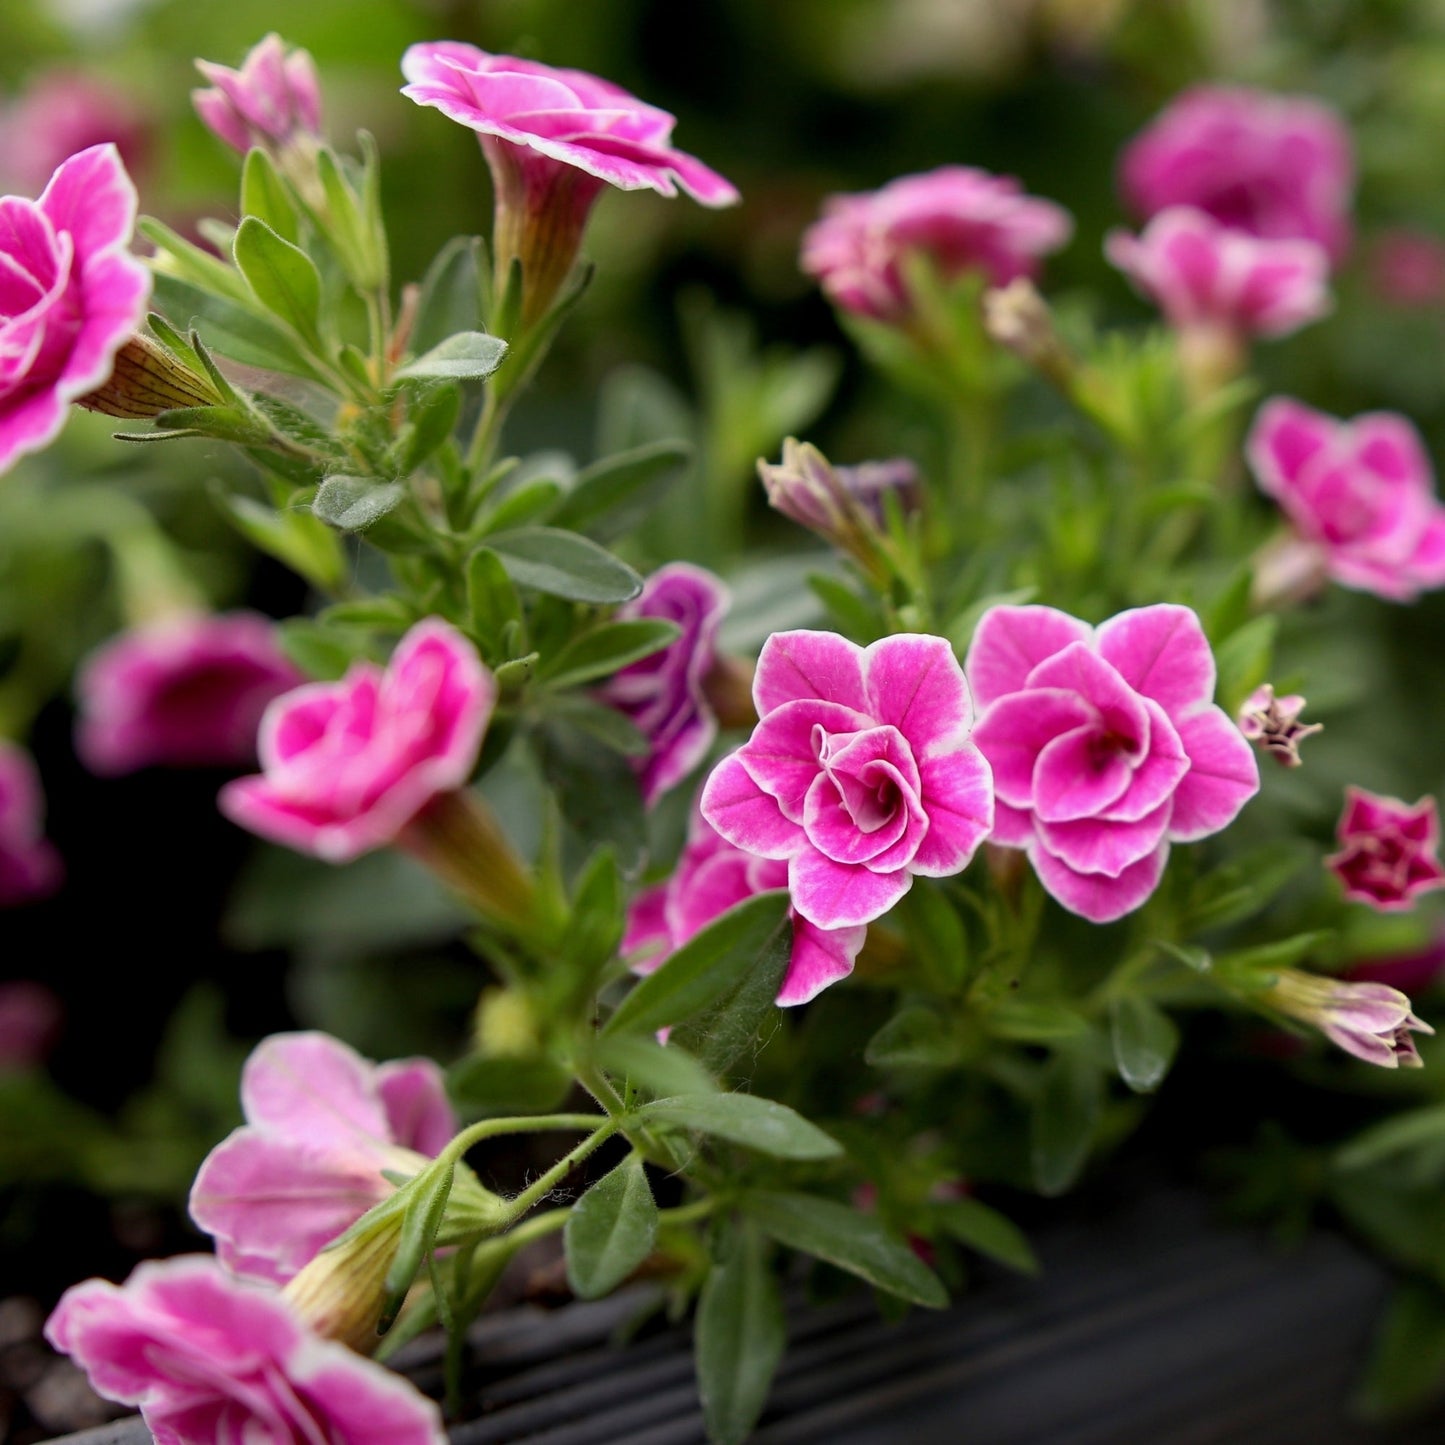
(1278, 166)
(961, 218)
(1274, 723)
(321, 1125)
(860, 772)
(271, 101)
(1360, 495)
(1369, 1020)
(70, 295)
(1106, 747)
(211, 1360)
(711, 876)
(62, 112)
(663, 694)
(347, 765)
(29, 866)
(1202, 273)
(185, 691)
(1388, 850)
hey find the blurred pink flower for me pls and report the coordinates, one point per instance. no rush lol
(860, 773)
(1361, 494)
(1407, 268)
(1106, 747)
(185, 691)
(1388, 850)
(1276, 166)
(273, 99)
(321, 1125)
(711, 876)
(60, 113)
(30, 1016)
(961, 218)
(663, 694)
(1369, 1020)
(1201, 273)
(211, 1359)
(347, 765)
(1411, 973)
(30, 868)
(70, 295)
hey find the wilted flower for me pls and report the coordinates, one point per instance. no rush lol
(1360, 494)
(961, 218)
(711, 876)
(272, 101)
(60, 113)
(1274, 723)
(861, 772)
(1106, 747)
(1388, 850)
(1369, 1020)
(552, 138)
(186, 691)
(30, 868)
(70, 295)
(1275, 166)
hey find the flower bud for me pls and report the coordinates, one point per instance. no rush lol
(341, 1292)
(1273, 723)
(1019, 320)
(1369, 1020)
(272, 101)
(148, 380)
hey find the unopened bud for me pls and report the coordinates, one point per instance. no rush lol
(147, 380)
(340, 1293)
(1369, 1020)
(1274, 723)
(1019, 320)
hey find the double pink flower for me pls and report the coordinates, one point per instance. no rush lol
(1389, 850)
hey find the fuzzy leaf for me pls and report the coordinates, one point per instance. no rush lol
(605, 649)
(761, 1124)
(565, 565)
(989, 1232)
(467, 356)
(1145, 1041)
(611, 1230)
(283, 276)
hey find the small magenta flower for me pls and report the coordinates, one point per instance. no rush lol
(62, 112)
(1406, 268)
(665, 694)
(1204, 274)
(30, 868)
(552, 139)
(860, 773)
(182, 692)
(322, 1123)
(1275, 166)
(961, 218)
(1274, 724)
(272, 101)
(1106, 747)
(1360, 495)
(1369, 1020)
(347, 765)
(711, 876)
(210, 1359)
(1388, 850)
(70, 295)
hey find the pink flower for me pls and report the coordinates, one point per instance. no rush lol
(321, 1125)
(70, 295)
(1106, 747)
(961, 218)
(212, 1360)
(30, 1016)
(1369, 1020)
(1360, 494)
(1407, 268)
(711, 876)
(1414, 972)
(30, 868)
(60, 113)
(664, 694)
(1276, 166)
(273, 99)
(1388, 850)
(1204, 274)
(347, 765)
(860, 773)
(186, 691)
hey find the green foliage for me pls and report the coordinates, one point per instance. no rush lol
(761, 1124)
(611, 1230)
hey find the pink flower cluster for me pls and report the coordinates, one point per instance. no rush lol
(271, 100)
(1389, 850)
(1360, 495)
(963, 219)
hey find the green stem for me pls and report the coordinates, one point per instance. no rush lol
(496, 1128)
(540, 1188)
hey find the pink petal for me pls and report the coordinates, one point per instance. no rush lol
(745, 815)
(839, 895)
(1017, 727)
(92, 198)
(1078, 776)
(958, 799)
(1286, 437)
(29, 423)
(1223, 776)
(117, 287)
(1156, 778)
(915, 683)
(1095, 896)
(1162, 652)
(1012, 827)
(418, 1113)
(1092, 845)
(803, 665)
(1010, 642)
(780, 756)
(647, 932)
(820, 956)
(312, 1088)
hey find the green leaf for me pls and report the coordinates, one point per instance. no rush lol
(1406, 1370)
(989, 1232)
(608, 726)
(610, 1230)
(467, 356)
(322, 652)
(661, 1069)
(936, 932)
(357, 238)
(187, 262)
(451, 298)
(1253, 967)
(352, 504)
(740, 1334)
(1243, 661)
(433, 419)
(610, 497)
(843, 1237)
(1244, 886)
(596, 791)
(595, 926)
(1401, 1134)
(233, 328)
(1145, 1041)
(303, 542)
(606, 648)
(1065, 1116)
(761, 1124)
(707, 966)
(529, 503)
(564, 565)
(854, 615)
(508, 1084)
(916, 1037)
(265, 196)
(1035, 1021)
(491, 599)
(425, 1211)
(283, 276)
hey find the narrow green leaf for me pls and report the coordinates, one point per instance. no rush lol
(595, 926)
(1065, 1116)
(1253, 966)
(450, 294)
(608, 726)
(283, 277)
(740, 1334)
(606, 648)
(467, 356)
(565, 565)
(596, 791)
(491, 598)
(322, 652)
(425, 1211)
(188, 262)
(1401, 1134)
(265, 196)
(303, 542)
(235, 329)
(433, 419)
(1243, 661)
(706, 967)
(916, 1037)
(611, 1230)
(661, 1069)
(610, 497)
(530, 502)
(843, 1237)
(1145, 1041)
(989, 1232)
(352, 504)
(761, 1124)
(1245, 885)
(1035, 1021)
